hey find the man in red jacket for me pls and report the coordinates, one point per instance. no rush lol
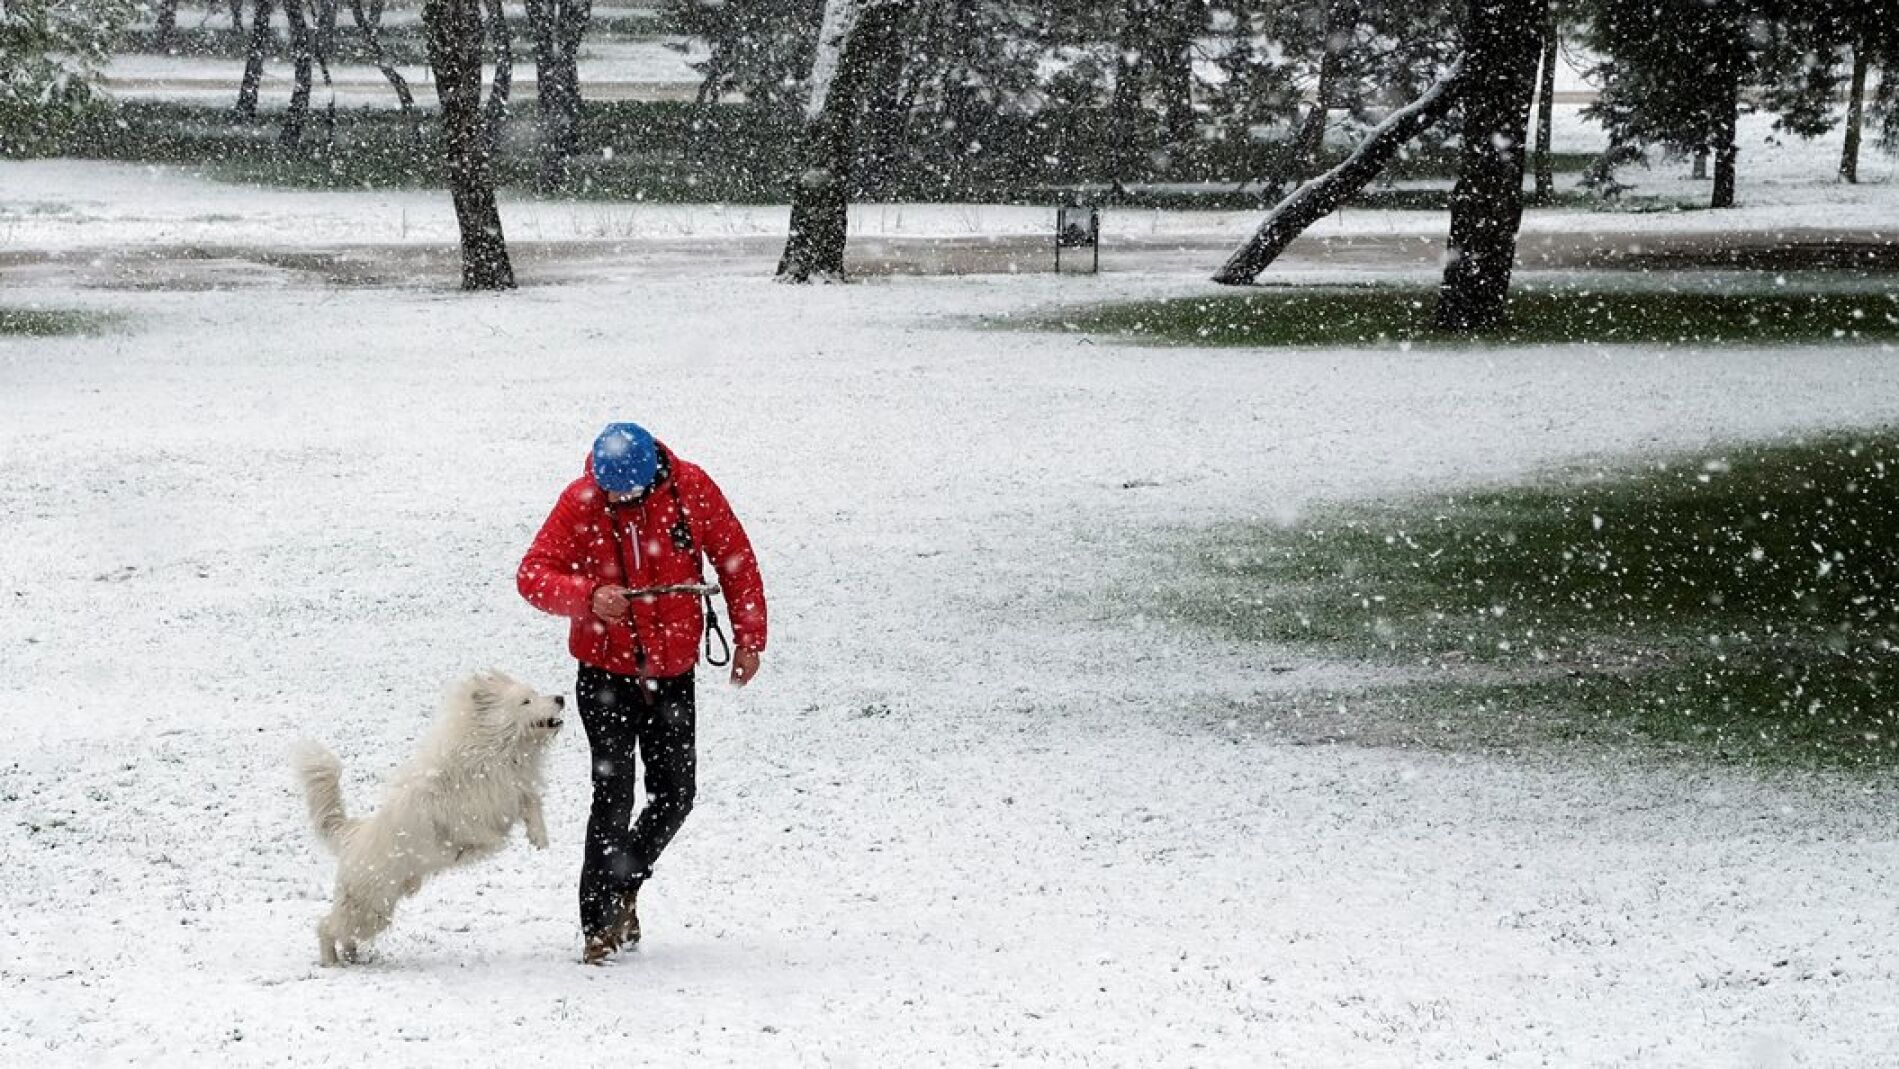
(639, 519)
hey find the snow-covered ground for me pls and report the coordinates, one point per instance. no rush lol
(978, 808)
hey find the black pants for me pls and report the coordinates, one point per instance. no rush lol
(628, 723)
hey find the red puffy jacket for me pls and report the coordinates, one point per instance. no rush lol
(584, 545)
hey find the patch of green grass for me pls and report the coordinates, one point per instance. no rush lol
(632, 150)
(1741, 602)
(51, 322)
(1399, 315)
(674, 151)
(1252, 198)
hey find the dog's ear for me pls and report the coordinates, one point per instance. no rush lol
(482, 691)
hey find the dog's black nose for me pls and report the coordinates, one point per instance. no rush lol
(560, 702)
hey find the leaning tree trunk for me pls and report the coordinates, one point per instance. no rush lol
(366, 24)
(853, 35)
(1504, 42)
(1318, 198)
(453, 29)
(1546, 111)
(254, 59)
(1727, 119)
(558, 27)
(1855, 111)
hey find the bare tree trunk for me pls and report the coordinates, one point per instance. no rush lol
(1546, 111)
(325, 30)
(323, 46)
(558, 26)
(1855, 111)
(372, 37)
(454, 32)
(1341, 23)
(237, 16)
(496, 112)
(167, 21)
(1173, 69)
(254, 59)
(709, 83)
(1727, 119)
(853, 35)
(1124, 106)
(303, 58)
(1309, 140)
(1319, 197)
(1504, 38)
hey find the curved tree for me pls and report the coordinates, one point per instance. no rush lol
(1320, 197)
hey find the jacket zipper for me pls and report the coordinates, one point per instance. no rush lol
(627, 580)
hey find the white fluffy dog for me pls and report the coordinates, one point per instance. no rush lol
(478, 773)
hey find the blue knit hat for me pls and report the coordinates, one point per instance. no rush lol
(625, 458)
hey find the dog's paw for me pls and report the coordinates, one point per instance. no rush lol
(538, 842)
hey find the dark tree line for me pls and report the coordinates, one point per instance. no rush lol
(1677, 73)
(1680, 74)
(1161, 90)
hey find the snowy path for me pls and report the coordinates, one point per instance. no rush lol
(975, 810)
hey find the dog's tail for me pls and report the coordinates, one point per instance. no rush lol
(322, 777)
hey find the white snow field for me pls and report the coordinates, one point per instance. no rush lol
(978, 809)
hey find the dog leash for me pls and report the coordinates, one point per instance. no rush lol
(683, 538)
(701, 589)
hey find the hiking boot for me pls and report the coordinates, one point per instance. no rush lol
(625, 929)
(599, 948)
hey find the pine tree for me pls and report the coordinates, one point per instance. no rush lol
(52, 58)
(757, 49)
(1679, 74)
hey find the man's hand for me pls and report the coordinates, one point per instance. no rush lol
(610, 603)
(744, 666)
